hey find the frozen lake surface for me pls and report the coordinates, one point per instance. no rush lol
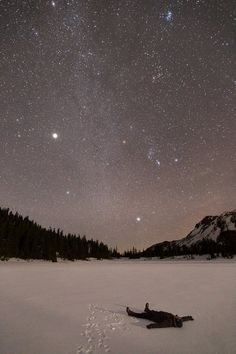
(72, 308)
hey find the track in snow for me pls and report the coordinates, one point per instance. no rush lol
(100, 323)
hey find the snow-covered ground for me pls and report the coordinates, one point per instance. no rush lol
(72, 308)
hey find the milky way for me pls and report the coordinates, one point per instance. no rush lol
(118, 117)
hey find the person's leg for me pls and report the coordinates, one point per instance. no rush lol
(138, 315)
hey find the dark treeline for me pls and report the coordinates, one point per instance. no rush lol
(132, 253)
(23, 238)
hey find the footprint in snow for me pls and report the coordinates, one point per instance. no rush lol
(99, 322)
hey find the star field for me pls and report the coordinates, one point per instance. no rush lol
(118, 117)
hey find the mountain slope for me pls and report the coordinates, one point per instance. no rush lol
(210, 228)
(213, 234)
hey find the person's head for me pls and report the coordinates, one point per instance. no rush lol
(178, 321)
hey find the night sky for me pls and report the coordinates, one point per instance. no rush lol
(118, 117)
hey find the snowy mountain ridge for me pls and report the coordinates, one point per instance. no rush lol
(210, 228)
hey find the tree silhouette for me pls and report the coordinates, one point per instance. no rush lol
(23, 238)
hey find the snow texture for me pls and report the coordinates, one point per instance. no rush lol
(78, 308)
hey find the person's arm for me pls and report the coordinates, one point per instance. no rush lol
(162, 324)
(187, 318)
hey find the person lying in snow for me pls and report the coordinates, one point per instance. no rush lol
(162, 319)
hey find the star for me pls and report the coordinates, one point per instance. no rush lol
(169, 16)
(55, 136)
(138, 219)
(53, 3)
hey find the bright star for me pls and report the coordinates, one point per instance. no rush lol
(176, 160)
(53, 3)
(138, 219)
(169, 16)
(55, 135)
